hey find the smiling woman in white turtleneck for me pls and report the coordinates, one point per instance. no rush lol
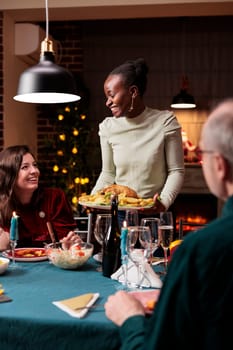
(141, 147)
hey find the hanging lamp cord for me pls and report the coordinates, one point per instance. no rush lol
(47, 18)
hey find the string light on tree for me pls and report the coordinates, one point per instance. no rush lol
(74, 150)
(75, 132)
(55, 168)
(62, 137)
(74, 200)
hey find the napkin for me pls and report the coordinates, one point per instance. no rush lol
(148, 278)
(73, 306)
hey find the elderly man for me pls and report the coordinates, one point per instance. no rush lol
(195, 307)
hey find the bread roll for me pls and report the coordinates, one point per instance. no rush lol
(120, 189)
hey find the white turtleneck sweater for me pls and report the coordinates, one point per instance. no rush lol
(144, 153)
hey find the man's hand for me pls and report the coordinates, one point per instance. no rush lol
(121, 306)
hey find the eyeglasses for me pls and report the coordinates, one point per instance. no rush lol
(200, 153)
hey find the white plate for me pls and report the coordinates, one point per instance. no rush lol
(108, 207)
(22, 257)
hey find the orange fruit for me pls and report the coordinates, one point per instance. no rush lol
(150, 304)
(175, 243)
(173, 246)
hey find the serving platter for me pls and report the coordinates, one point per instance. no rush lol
(108, 207)
(27, 254)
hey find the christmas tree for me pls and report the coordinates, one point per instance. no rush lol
(71, 145)
(68, 151)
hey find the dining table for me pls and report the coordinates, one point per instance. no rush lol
(31, 320)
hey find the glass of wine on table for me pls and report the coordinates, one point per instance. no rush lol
(166, 228)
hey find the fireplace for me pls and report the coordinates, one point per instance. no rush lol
(195, 208)
(195, 204)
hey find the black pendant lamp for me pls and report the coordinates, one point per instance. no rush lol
(46, 82)
(183, 99)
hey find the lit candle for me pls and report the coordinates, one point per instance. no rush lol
(124, 233)
(14, 234)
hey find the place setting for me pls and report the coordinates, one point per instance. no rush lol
(27, 254)
(79, 306)
(136, 272)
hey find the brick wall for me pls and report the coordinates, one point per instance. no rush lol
(1, 80)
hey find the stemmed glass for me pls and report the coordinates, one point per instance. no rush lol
(102, 224)
(166, 228)
(131, 217)
(13, 244)
(153, 224)
(138, 255)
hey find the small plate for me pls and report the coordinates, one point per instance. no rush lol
(108, 207)
(27, 254)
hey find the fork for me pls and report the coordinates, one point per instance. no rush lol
(94, 306)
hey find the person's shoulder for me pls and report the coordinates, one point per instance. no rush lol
(164, 117)
(108, 124)
(159, 113)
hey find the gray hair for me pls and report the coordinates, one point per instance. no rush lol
(218, 131)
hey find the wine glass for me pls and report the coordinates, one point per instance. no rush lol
(153, 224)
(137, 255)
(102, 224)
(166, 228)
(131, 217)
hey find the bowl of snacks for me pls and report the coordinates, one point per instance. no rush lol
(4, 263)
(69, 259)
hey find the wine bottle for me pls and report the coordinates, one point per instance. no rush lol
(111, 244)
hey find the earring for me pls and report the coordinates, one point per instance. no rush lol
(131, 106)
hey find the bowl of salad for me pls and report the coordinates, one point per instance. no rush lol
(69, 259)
